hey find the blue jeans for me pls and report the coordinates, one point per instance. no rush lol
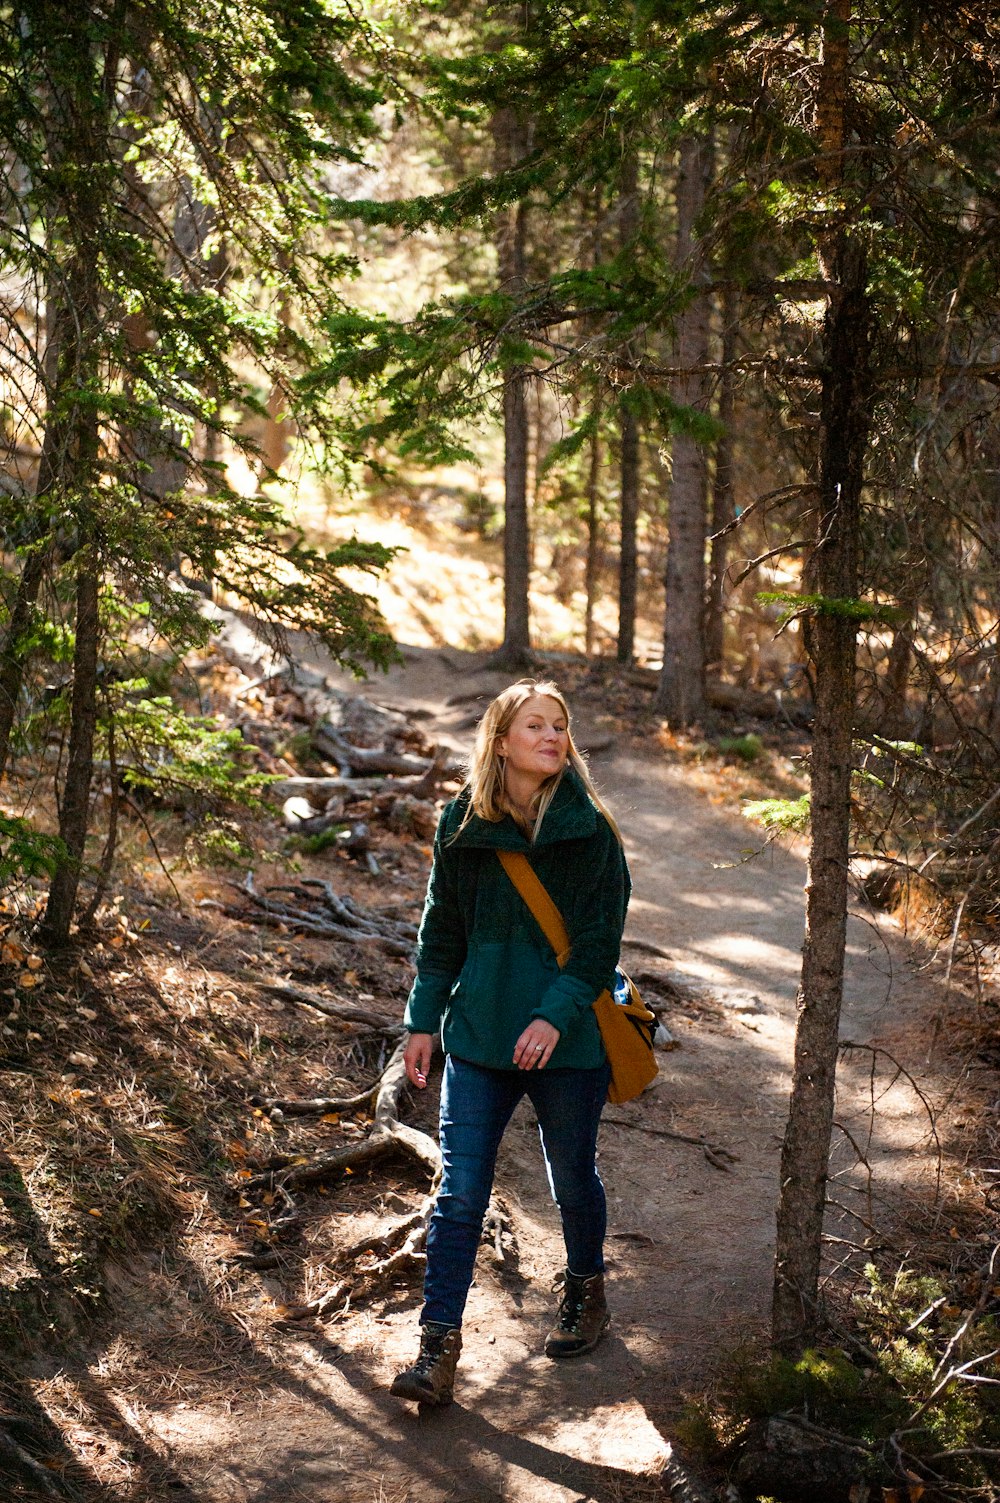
(476, 1105)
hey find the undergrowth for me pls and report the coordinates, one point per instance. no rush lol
(914, 1390)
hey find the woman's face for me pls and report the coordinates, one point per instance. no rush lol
(537, 742)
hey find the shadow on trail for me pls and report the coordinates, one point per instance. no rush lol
(453, 1453)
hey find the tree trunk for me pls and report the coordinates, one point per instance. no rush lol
(593, 536)
(628, 567)
(894, 721)
(511, 144)
(680, 696)
(515, 651)
(74, 812)
(722, 486)
(628, 564)
(845, 399)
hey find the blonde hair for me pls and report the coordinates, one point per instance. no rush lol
(485, 781)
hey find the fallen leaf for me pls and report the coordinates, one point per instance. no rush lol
(27, 979)
(84, 1061)
(88, 1013)
(84, 970)
(35, 962)
(333, 1117)
(94, 1212)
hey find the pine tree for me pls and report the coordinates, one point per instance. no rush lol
(118, 195)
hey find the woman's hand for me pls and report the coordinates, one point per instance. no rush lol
(534, 1048)
(417, 1058)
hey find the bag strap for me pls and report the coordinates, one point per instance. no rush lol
(545, 913)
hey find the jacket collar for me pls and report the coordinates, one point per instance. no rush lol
(570, 816)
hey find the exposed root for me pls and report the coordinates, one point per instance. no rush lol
(22, 1470)
(349, 922)
(399, 1246)
(387, 1136)
(346, 1012)
(278, 1107)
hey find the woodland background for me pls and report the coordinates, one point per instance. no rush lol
(663, 336)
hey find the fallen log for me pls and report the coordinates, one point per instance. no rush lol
(365, 758)
(739, 700)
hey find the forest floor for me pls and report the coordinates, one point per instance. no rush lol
(185, 1378)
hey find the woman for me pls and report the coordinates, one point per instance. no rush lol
(511, 1022)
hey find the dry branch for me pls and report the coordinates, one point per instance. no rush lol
(719, 1158)
(366, 759)
(350, 923)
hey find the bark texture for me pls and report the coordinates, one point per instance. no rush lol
(510, 145)
(628, 567)
(845, 402)
(680, 697)
(722, 485)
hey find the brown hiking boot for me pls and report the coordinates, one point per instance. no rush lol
(583, 1316)
(431, 1378)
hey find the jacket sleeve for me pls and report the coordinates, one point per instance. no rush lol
(441, 944)
(595, 931)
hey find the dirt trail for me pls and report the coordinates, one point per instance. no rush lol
(690, 1246)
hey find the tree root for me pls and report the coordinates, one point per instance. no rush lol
(350, 922)
(346, 1012)
(387, 1136)
(278, 1107)
(399, 1247)
(21, 1469)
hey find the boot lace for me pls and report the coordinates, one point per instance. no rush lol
(431, 1348)
(571, 1305)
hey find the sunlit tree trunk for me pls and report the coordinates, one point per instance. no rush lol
(845, 400)
(680, 695)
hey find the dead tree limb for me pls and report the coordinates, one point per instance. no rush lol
(366, 759)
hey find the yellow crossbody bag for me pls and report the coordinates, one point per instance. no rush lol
(627, 1026)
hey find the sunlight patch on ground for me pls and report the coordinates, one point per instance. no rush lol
(754, 953)
(613, 1435)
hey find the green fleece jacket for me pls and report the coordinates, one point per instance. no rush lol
(484, 967)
